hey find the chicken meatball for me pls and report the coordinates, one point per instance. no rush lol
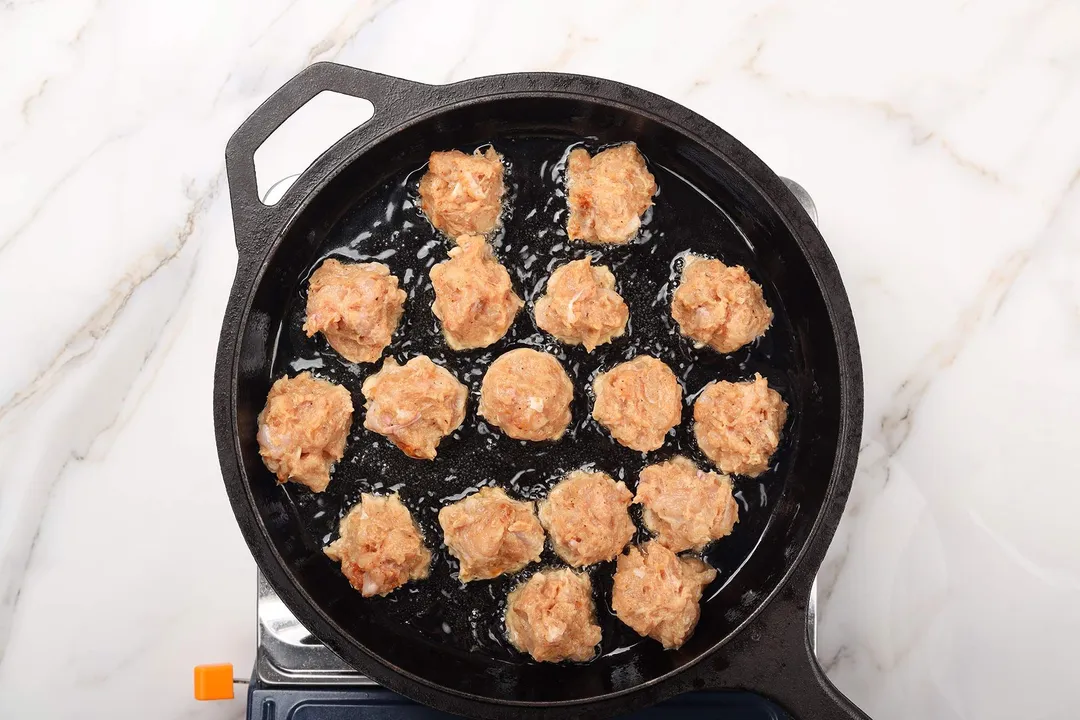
(380, 547)
(491, 534)
(462, 194)
(684, 506)
(552, 617)
(474, 298)
(658, 593)
(737, 425)
(527, 394)
(356, 307)
(415, 405)
(607, 194)
(581, 307)
(719, 306)
(587, 519)
(302, 429)
(639, 402)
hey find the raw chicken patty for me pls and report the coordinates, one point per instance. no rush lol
(685, 506)
(552, 617)
(303, 428)
(639, 402)
(474, 299)
(356, 307)
(462, 194)
(719, 306)
(581, 306)
(607, 194)
(587, 519)
(737, 425)
(380, 547)
(527, 394)
(658, 593)
(491, 534)
(415, 405)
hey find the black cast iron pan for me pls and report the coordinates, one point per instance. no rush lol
(436, 641)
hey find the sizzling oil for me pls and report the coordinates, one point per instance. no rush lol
(387, 226)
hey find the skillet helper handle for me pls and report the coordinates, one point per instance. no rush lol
(395, 101)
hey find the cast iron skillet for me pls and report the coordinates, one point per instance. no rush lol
(435, 641)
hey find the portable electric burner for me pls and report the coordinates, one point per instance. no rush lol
(296, 677)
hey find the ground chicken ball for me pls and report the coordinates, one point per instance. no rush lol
(737, 425)
(586, 517)
(658, 593)
(356, 307)
(462, 194)
(552, 617)
(607, 194)
(302, 429)
(581, 307)
(415, 405)
(685, 506)
(380, 548)
(491, 534)
(639, 402)
(527, 394)
(474, 298)
(719, 306)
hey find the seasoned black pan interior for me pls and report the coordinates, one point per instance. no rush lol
(451, 635)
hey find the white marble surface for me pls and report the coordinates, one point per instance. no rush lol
(939, 140)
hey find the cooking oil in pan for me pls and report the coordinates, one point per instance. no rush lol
(387, 226)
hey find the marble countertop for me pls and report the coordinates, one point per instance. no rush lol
(939, 140)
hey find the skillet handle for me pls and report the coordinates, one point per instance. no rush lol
(395, 101)
(774, 657)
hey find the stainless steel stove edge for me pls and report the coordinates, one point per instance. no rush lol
(287, 654)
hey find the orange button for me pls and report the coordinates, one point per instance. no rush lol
(214, 682)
